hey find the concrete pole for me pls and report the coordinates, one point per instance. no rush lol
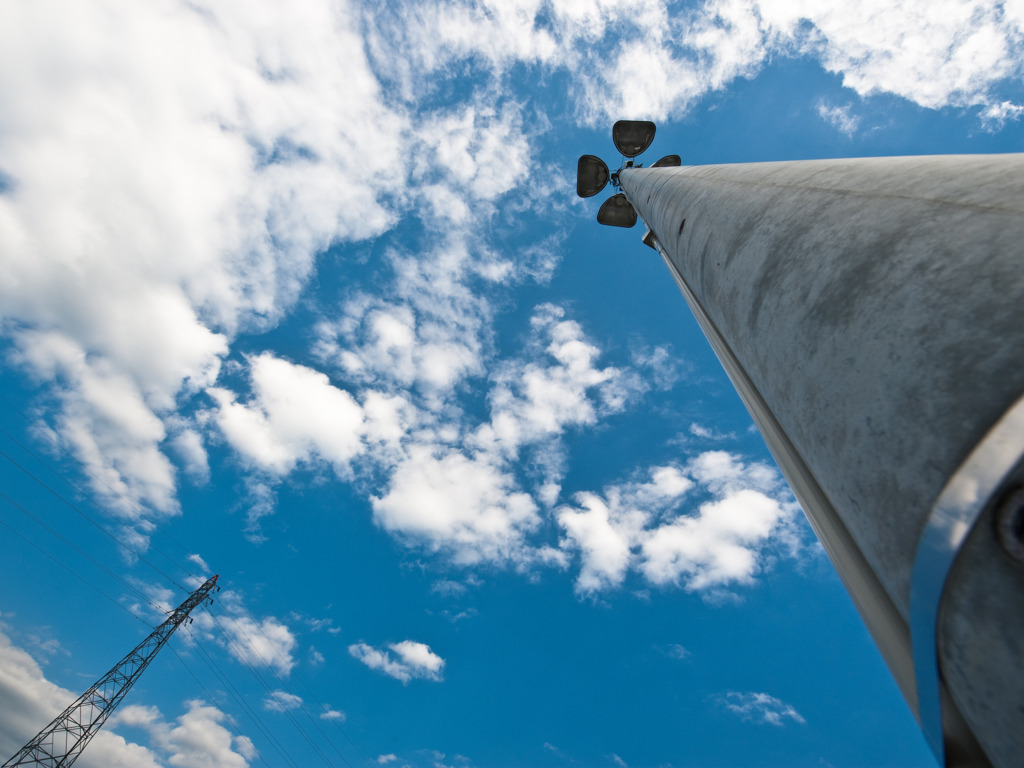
(870, 313)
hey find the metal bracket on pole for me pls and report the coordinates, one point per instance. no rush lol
(959, 507)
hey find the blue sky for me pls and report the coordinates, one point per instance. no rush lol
(302, 295)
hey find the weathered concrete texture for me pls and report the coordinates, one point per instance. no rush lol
(878, 307)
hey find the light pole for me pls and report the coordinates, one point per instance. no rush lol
(870, 313)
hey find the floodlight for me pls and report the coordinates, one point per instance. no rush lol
(668, 161)
(632, 137)
(617, 211)
(591, 176)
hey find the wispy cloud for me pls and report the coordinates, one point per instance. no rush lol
(707, 433)
(652, 59)
(141, 240)
(760, 708)
(676, 651)
(995, 116)
(281, 701)
(839, 117)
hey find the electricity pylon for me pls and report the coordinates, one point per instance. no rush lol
(870, 313)
(61, 742)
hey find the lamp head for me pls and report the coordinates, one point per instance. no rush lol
(616, 211)
(632, 137)
(591, 175)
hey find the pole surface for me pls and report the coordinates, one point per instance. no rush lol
(871, 314)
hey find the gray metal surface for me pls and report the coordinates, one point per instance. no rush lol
(960, 506)
(876, 307)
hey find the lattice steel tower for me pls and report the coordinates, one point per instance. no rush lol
(61, 742)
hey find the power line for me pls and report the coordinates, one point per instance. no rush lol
(61, 449)
(70, 570)
(62, 741)
(128, 547)
(241, 702)
(36, 519)
(269, 666)
(82, 514)
(231, 722)
(240, 655)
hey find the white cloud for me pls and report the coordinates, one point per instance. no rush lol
(296, 415)
(662, 67)
(534, 400)
(481, 151)
(333, 715)
(198, 560)
(197, 739)
(760, 708)
(455, 490)
(160, 202)
(660, 366)
(604, 538)
(934, 53)
(411, 660)
(430, 333)
(640, 526)
(448, 588)
(650, 59)
(722, 472)
(717, 547)
(385, 759)
(259, 642)
(188, 445)
(28, 701)
(49, 646)
(450, 502)
(995, 116)
(262, 643)
(281, 701)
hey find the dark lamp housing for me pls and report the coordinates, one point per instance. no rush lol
(591, 176)
(632, 137)
(668, 161)
(616, 211)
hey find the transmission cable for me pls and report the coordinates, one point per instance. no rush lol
(231, 722)
(42, 523)
(73, 572)
(86, 517)
(239, 651)
(298, 677)
(241, 702)
(241, 656)
(131, 504)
